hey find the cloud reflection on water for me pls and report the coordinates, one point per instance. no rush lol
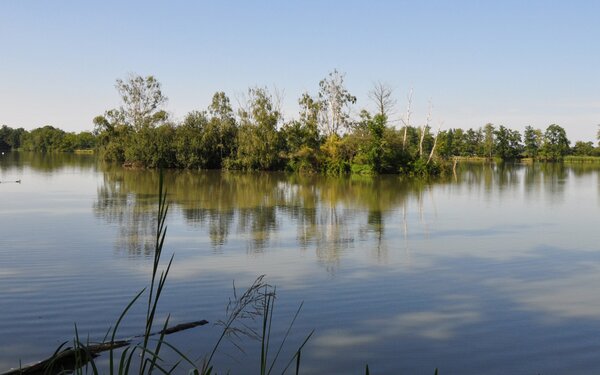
(379, 261)
(557, 297)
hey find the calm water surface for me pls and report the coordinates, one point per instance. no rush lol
(495, 271)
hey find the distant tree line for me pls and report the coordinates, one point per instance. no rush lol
(324, 138)
(45, 139)
(506, 144)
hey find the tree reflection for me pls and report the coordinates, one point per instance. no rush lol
(133, 212)
(328, 215)
(15, 162)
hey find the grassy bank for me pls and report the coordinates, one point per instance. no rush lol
(582, 159)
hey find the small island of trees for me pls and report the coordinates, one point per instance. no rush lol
(324, 138)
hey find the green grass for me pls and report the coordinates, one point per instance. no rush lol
(582, 159)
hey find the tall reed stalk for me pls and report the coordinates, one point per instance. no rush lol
(257, 302)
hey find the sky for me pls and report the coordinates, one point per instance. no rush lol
(511, 63)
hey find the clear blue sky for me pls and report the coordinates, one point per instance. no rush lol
(514, 63)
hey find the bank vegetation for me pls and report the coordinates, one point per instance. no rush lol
(328, 135)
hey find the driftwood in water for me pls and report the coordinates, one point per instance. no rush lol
(69, 359)
(181, 327)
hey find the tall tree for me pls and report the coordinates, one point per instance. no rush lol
(381, 96)
(301, 137)
(258, 140)
(507, 143)
(372, 147)
(532, 139)
(130, 133)
(459, 143)
(556, 143)
(223, 122)
(335, 102)
(11, 138)
(473, 141)
(189, 144)
(142, 101)
(44, 139)
(583, 148)
(488, 140)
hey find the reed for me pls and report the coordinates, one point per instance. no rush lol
(255, 304)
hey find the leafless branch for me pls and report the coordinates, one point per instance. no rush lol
(408, 113)
(381, 96)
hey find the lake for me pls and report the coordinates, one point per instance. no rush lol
(495, 270)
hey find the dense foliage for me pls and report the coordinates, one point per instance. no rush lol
(45, 139)
(324, 138)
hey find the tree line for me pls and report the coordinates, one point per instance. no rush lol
(45, 139)
(324, 138)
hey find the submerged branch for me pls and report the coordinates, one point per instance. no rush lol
(70, 359)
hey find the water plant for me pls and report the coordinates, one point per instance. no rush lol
(142, 353)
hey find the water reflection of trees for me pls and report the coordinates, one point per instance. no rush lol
(45, 162)
(546, 179)
(492, 177)
(535, 180)
(132, 212)
(327, 214)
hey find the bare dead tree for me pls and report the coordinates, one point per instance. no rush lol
(278, 98)
(381, 96)
(424, 130)
(437, 134)
(407, 121)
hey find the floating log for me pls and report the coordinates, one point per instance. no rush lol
(182, 327)
(70, 359)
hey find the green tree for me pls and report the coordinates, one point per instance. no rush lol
(44, 139)
(309, 120)
(473, 142)
(142, 101)
(372, 149)
(532, 139)
(258, 141)
(301, 137)
(583, 149)
(68, 142)
(222, 121)
(377, 146)
(445, 141)
(488, 140)
(335, 101)
(206, 138)
(556, 143)
(11, 138)
(112, 135)
(151, 147)
(459, 145)
(129, 133)
(4, 133)
(85, 141)
(507, 143)
(189, 144)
